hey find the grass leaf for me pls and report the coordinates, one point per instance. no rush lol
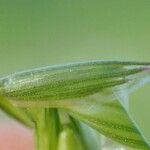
(34, 87)
(17, 113)
(109, 118)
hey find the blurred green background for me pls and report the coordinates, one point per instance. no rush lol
(35, 33)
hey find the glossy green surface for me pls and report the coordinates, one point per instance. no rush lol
(68, 81)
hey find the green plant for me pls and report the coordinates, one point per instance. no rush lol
(55, 100)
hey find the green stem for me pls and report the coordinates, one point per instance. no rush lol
(47, 129)
(17, 113)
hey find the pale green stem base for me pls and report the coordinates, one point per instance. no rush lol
(46, 130)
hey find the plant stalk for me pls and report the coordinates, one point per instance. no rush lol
(46, 130)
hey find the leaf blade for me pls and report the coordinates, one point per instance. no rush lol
(111, 120)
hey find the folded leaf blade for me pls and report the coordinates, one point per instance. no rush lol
(109, 119)
(68, 81)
